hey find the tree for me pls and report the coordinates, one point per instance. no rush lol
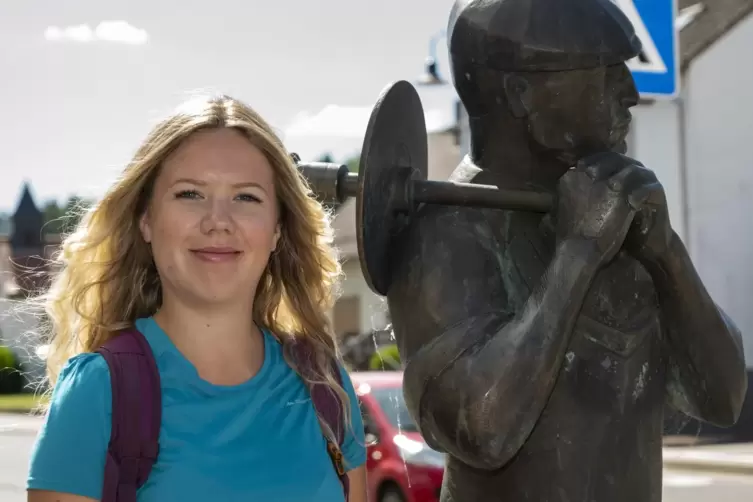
(75, 208)
(64, 219)
(387, 358)
(327, 157)
(353, 163)
(53, 217)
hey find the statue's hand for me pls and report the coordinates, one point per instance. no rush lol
(650, 234)
(597, 200)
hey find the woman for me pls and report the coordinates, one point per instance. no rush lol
(211, 247)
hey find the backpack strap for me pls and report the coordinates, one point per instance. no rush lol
(136, 415)
(329, 407)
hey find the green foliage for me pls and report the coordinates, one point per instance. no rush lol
(353, 163)
(11, 381)
(53, 217)
(63, 219)
(387, 358)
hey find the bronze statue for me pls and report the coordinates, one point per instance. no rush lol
(540, 350)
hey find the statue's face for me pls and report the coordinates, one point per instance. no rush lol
(576, 113)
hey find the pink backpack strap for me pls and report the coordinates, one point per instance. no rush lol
(136, 415)
(329, 406)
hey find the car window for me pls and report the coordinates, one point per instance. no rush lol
(392, 404)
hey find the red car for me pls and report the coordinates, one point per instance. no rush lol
(401, 466)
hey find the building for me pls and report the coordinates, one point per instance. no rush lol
(25, 251)
(706, 162)
(25, 248)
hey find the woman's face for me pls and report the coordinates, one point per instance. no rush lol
(212, 221)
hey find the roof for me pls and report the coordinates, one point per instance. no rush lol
(711, 19)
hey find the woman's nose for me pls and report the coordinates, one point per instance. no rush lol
(218, 218)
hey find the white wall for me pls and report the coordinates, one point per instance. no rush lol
(656, 141)
(719, 107)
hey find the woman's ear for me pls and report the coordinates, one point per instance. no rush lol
(276, 237)
(145, 227)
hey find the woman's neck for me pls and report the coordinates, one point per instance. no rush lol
(224, 344)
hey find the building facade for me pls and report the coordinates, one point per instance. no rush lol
(25, 252)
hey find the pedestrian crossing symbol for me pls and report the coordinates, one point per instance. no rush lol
(656, 70)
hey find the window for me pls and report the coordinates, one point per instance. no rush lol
(392, 403)
(347, 315)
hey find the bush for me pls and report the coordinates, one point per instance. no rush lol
(387, 358)
(11, 381)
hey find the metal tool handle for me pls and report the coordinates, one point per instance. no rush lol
(335, 183)
(489, 196)
(329, 181)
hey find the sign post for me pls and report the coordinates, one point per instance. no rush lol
(656, 70)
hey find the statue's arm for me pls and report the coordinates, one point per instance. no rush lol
(477, 375)
(707, 378)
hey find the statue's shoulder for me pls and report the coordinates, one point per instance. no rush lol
(465, 172)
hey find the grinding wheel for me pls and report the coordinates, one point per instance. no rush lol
(395, 150)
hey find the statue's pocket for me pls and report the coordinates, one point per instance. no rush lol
(620, 342)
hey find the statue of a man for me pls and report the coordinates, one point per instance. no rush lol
(540, 351)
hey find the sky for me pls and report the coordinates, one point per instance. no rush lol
(84, 80)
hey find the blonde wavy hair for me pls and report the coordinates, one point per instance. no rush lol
(107, 278)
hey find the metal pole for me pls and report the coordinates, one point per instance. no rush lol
(486, 196)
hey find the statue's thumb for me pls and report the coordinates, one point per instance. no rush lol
(638, 197)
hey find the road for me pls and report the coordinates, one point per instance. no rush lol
(699, 487)
(15, 446)
(17, 436)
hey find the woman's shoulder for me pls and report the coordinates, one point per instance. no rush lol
(77, 424)
(85, 368)
(82, 397)
(83, 381)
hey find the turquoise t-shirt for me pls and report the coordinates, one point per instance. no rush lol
(259, 440)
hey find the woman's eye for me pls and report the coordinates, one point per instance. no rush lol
(247, 197)
(193, 194)
(187, 194)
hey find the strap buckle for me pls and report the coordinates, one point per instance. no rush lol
(337, 457)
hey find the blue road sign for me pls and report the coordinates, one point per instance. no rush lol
(657, 70)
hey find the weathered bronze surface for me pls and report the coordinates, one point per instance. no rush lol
(391, 181)
(333, 183)
(394, 151)
(541, 350)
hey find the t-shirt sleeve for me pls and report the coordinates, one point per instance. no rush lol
(354, 443)
(70, 451)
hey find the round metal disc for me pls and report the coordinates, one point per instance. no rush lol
(395, 150)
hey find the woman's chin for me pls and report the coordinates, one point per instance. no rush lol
(218, 293)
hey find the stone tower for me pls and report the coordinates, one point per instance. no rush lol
(28, 245)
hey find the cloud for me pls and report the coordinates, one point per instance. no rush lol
(333, 120)
(351, 121)
(339, 130)
(108, 31)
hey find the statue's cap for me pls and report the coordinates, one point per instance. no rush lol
(540, 35)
